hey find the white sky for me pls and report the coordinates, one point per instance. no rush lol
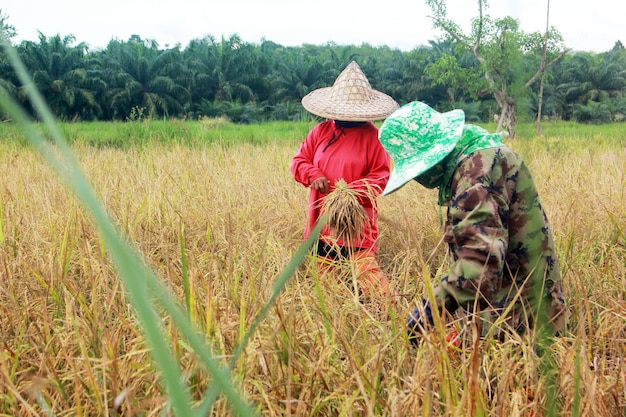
(589, 25)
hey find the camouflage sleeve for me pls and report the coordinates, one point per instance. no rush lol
(477, 238)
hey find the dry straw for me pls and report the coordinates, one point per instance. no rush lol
(346, 215)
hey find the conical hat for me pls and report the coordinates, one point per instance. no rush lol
(351, 98)
(417, 138)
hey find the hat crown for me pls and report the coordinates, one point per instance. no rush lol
(352, 86)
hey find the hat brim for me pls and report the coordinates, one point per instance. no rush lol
(322, 103)
(417, 138)
(407, 170)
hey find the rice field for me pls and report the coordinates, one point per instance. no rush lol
(217, 224)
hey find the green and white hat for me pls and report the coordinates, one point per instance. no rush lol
(417, 138)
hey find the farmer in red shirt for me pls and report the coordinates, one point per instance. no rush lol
(346, 146)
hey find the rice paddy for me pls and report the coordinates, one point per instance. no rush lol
(219, 223)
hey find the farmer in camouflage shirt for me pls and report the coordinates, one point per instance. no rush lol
(503, 265)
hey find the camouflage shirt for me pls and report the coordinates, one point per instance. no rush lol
(500, 243)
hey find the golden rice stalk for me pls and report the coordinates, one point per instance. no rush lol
(346, 216)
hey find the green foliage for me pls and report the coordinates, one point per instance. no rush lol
(510, 60)
(203, 132)
(7, 31)
(579, 135)
(593, 112)
(251, 83)
(460, 81)
(137, 114)
(222, 132)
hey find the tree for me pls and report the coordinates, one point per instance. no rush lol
(144, 79)
(406, 77)
(232, 72)
(296, 77)
(499, 46)
(8, 80)
(251, 82)
(7, 31)
(56, 65)
(457, 69)
(542, 69)
(226, 71)
(593, 82)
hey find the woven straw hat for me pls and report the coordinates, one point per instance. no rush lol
(417, 138)
(351, 99)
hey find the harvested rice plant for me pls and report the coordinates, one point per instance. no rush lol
(218, 222)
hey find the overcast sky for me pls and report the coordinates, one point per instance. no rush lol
(589, 25)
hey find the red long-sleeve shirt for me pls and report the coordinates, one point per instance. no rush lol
(356, 156)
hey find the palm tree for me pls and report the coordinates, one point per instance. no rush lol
(57, 69)
(233, 71)
(200, 58)
(8, 80)
(228, 71)
(594, 77)
(7, 31)
(143, 78)
(295, 77)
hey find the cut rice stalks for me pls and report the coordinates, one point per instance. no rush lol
(346, 216)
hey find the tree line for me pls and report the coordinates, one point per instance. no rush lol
(248, 82)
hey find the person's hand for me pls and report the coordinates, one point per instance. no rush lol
(321, 185)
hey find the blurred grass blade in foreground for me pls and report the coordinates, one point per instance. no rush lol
(139, 281)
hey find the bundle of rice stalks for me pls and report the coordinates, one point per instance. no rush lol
(346, 216)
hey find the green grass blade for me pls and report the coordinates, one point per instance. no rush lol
(137, 278)
(132, 271)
